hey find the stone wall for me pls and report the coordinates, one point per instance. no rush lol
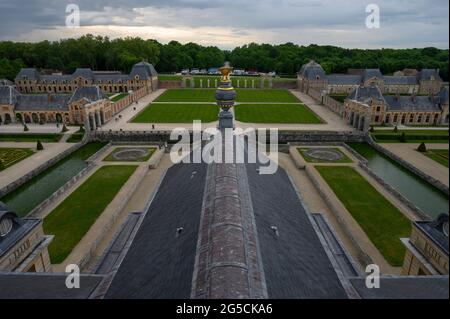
(170, 84)
(334, 105)
(19, 182)
(315, 94)
(289, 85)
(434, 182)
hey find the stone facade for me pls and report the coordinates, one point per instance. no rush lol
(142, 75)
(88, 105)
(375, 108)
(313, 76)
(427, 249)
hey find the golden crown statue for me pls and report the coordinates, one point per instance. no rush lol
(226, 71)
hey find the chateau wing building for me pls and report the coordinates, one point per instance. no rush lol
(142, 74)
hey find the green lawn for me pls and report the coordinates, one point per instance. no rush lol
(383, 223)
(276, 113)
(243, 95)
(75, 138)
(440, 156)
(72, 219)
(344, 159)
(178, 113)
(11, 156)
(118, 97)
(44, 138)
(111, 158)
(412, 136)
(339, 97)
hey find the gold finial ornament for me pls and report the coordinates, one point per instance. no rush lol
(226, 72)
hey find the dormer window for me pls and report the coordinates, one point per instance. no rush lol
(318, 77)
(6, 225)
(137, 77)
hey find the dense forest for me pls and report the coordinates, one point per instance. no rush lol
(102, 53)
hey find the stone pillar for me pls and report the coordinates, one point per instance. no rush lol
(262, 83)
(102, 117)
(92, 121)
(192, 83)
(253, 84)
(87, 124)
(201, 83)
(270, 83)
(209, 83)
(215, 82)
(238, 83)
(98, 120)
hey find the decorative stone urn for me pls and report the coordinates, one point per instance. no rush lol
(226, 97)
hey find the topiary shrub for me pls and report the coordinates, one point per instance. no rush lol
(395, 129)
(422, 148)
(39, 146)
(25, 128)
(372, 129)
(64, 129)
(81, 129)
(403, 138)
(2, 165)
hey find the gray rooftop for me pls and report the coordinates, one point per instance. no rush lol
(8, 95)
(143, 69)
(159, 263)
(89, 93)
(42, 102)
(412, 103)
(343, 79)
(425, 287)
(436, 231)
(366, 94)
(45, 286)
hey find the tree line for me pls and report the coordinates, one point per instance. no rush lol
(103, 53)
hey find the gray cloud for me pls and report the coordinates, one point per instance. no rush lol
(405, 23)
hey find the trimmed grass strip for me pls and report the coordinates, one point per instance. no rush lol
(73, 218)
(383, 223)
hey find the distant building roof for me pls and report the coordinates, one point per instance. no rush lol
(372, 73)
(8, 95)
(400, 80)
(42, 102)
(312, 71)
(144, 70)
(90, 93)
(429, 74)
(4, 82)
(366, 94)
(412, 103)
(343, 79)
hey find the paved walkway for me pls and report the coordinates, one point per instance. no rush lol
(407, 151)
(35, 128)
(22, 168)
(412, 128)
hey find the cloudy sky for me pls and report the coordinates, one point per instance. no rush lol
(230, 23)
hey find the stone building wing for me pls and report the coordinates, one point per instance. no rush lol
(312, 71)
(144, 70)
(412, 103)
(366, 94)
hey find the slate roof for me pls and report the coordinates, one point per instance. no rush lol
(90, 93)
(343, 79)
(429, 74)
(312, 70)
(435, 231)
(372, 73)
(160, 264)
(295, 263)
(45, 286)
(412, 103)
(425, 287)
(400, 80)
(42, 102)
(21, 227)
(443, 95)
(8, 95)
(143, 69)
(366, 94)
(4, 82)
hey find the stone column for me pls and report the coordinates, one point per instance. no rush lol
(87, 124)
(102, 117)
(92, 121)
(192, 83)
(98, 119)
